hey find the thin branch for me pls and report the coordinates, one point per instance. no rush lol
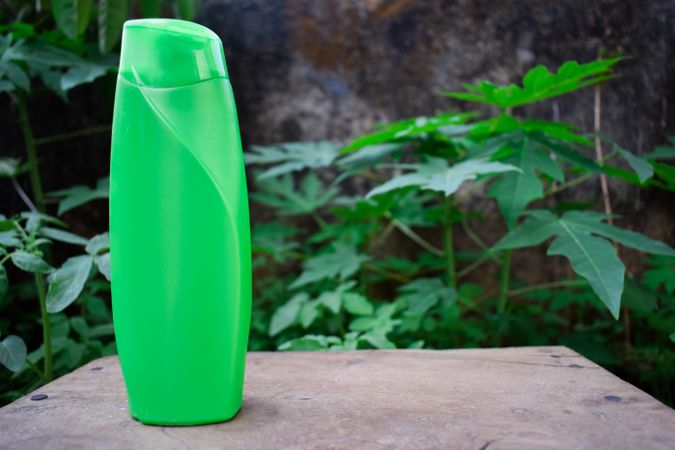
(403, 228)
(471, 267)
(386, 273)
(23, 195)
(598, 153)
(73, 134)
(552, 284)
(477, 240)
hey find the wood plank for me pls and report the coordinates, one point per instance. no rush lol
(530, 397)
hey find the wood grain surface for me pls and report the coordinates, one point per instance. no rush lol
(521, 398)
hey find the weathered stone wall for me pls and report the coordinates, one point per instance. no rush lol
(331, 69)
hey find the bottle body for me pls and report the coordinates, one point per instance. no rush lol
(180, 251)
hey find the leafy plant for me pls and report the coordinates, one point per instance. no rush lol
(24, 241)
(360, 286)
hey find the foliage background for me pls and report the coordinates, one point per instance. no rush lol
(306, 70)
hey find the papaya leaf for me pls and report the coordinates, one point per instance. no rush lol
(292, 157)
(436, 175)
(281, 194)
(539, 84)
(581, 237)
(341, 261)
(408, 129)
(515, 190)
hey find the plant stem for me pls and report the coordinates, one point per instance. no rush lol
(35, 368)
(470, 268)
(46, 328)
(403, 228)
(504, 282)
(477, 240)
(73, 134)
(448, 244)
(580, 179)
(552, 284)
(386, 273)
(29, 139)
(598, 154)
(569, 184)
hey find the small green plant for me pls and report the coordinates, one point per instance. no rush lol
(55, 47)
(361, 286)
(24, 240)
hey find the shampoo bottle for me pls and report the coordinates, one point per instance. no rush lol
(179, 226)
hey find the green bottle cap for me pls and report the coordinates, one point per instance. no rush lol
(170, 53)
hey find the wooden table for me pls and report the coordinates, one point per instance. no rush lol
(531, 397)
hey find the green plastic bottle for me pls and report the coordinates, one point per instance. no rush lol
(179, 226)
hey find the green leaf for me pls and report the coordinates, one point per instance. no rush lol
(62, 236)
(10, 239)
(342, 261)
(333, 299)
(357, 304)
(98, 244)
(151, 8)
(103, 264)
(72, 16)
(539, 84)
(367, 156)
(577, 239)
(660, 273)
(8, 167)
(594, 259)
(111, 17)
(592, 222)
(423, 294)
(4, 282)
(79, 195)
(187, 9)
(30, 262)
(81, 74)
(308, 313)
(287, 314)
(380, 322)
(13, 352)
(310, 342)
(663, 151)
(17, 75)
(408, 129)
(379, 341)
(642, 167)
(292, 157)
(79, 324)
(281, 194)
(515, 190)
(271, 238)
(435, 175)
(66, 283)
